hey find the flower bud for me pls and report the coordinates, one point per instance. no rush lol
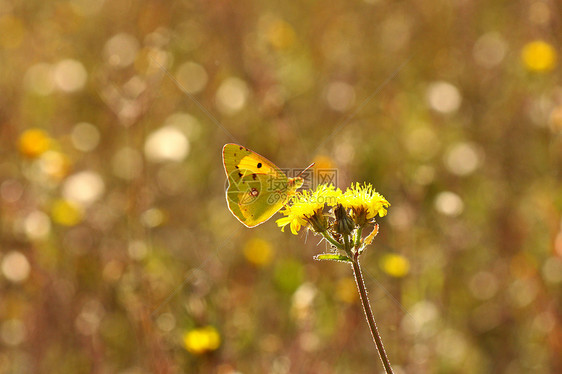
(344, 224)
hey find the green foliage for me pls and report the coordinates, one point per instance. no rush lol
(332, 257)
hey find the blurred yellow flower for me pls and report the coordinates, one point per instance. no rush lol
(280, 34)
(201, 340)
(539, 56)
(323, 162)
(325, 169)
(346, 290)
(258, 252)
(395, 265)
(34, 142)
(66, 213)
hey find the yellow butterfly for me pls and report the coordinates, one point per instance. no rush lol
(257, 188)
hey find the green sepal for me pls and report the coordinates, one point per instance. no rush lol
(332, 257)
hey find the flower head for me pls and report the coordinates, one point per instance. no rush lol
(34, 142)
(539, 56)
(365, 203)
(202, 340)
(307, 208)
(342, 226)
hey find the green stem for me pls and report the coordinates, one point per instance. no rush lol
(347, 246)
(358, 234)
(333, 241)
(369, 315)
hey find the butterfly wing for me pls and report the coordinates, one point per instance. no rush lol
(257, 188)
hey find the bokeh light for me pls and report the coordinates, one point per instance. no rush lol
(66, 213)
(490, 50)
(85, 137)
(202, 340)
(443, 97)
(539, 56)
(15, 267)
(12, 332)
(121, 50)
(166, 144)
(69, 75)
(11, 190)
(34, 142)
(395, 265)
(232, 95)
(340, 96)
(192, 77)
(462, 159)
(83, 188)
(37, 225)
(258, 252)
(449, 203)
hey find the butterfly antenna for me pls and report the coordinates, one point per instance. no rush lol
(308, 167)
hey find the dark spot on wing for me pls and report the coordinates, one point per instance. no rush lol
(240, 174)
(236, 167)
(254, 192)
(241, 148)
(254, 176)
(259, 165)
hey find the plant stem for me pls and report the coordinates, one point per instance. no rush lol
(333, 241)
(358, 238)
(369, 315)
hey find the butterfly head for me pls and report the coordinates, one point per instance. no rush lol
(298, 181)
(295, 183)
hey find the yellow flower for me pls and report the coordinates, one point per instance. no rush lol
(34, 142)
(323, 162)
(306, 208)
(539, 56)
(202, 340)
(395, 265)
(66, 213)
(298, 212)
(280, 34)
(258, 251)
(364, 202)
(327, 193)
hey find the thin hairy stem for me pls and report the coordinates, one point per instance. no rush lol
(358, 235)
(332, 241)
(369, 315)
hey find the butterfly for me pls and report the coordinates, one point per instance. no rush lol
(257, 188)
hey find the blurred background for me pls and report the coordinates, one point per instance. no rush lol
(119, 255)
